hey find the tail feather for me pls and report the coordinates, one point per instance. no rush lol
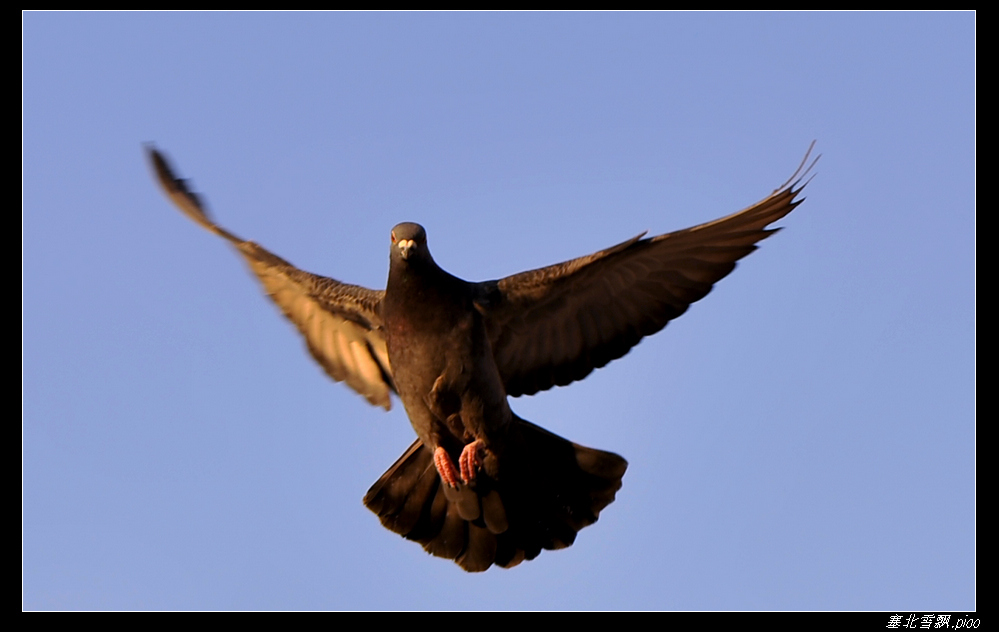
(547, 489)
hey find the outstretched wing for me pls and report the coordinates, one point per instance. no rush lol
(341, 323)
(557, 324)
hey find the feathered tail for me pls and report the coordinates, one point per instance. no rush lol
(547, 490)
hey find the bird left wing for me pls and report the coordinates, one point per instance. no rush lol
(557, 324)
(341, 323)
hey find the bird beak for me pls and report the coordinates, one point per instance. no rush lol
(406, 247)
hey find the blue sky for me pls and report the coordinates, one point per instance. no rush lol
(803, 438)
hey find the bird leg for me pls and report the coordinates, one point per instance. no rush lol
(445, 406)
(445, 467)
(471, 460)
(433, 399)
(449, 409)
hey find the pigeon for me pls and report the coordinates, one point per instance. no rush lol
(481, 486)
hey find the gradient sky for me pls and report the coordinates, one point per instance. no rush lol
(803, 438)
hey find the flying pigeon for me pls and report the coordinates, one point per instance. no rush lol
(480, 485)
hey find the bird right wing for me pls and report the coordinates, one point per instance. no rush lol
(341, 323)
(552, 326)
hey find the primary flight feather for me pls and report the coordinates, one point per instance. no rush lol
(480, 485)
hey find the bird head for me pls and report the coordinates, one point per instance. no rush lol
(409, 240)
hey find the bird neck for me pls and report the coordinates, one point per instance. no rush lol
(418, 286)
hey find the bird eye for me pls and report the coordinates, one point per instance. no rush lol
(393, 236)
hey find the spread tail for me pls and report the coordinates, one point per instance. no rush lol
(547, 489)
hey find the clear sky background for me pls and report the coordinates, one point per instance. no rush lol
(803, 438)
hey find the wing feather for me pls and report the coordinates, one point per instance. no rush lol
(341, 323)
(555, 325)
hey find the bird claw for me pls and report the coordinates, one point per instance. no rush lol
(471, 460)
(445, 467)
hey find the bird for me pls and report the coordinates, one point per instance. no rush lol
(479, 485)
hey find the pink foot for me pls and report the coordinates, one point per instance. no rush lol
(471, 460)
(445, 467)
